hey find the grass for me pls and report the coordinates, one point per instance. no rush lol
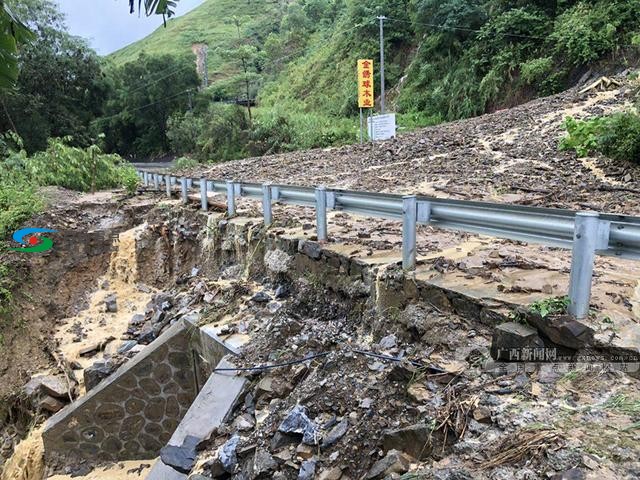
(210, 23)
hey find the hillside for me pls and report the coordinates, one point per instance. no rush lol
(445, 60)
(211, 23)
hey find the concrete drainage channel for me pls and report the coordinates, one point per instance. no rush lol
(156, 398)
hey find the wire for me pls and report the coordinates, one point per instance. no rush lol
(324, 354)
(276, 365)
(148, 105)
(159, 79)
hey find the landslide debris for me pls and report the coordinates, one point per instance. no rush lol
(510, 156)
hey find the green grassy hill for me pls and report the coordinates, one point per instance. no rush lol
(211, 23)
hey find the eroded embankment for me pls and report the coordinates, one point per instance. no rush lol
(337, 406)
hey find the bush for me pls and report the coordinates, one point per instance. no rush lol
(184, 163)
(582, 135)
(79, 169)
(617, 136)
(620, 137)
(584, 33)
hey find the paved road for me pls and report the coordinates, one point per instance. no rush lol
(155, 166)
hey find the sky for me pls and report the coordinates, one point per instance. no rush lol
(107, 24)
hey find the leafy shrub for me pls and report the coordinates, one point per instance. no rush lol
(183, 163)
(620, 137)
(617, 136)
(582, 135)
(584, 33)
(79, 169)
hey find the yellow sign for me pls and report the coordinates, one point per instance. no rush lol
(365, 84)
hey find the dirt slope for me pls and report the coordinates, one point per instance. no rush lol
(510, 156)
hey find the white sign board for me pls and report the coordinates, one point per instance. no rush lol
(382, 127)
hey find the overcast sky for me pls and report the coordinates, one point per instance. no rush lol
(107, 23)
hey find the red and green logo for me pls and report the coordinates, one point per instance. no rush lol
(32, 241)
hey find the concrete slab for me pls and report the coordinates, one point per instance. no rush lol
(210, 409)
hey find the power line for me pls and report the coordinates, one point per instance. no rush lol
(148, 105)
(159, 79)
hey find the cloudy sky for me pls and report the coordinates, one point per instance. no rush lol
(107, 23)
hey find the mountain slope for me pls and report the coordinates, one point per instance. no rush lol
(211, 23)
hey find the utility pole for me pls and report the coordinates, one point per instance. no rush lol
(382, 92)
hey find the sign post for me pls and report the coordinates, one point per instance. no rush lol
(365, 90)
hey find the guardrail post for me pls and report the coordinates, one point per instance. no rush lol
(321, 214)
(231, 198)
(185, 190)
(156, 181)
(409, 218)
(585, 238)
(146, 178)
(203, 194)
(266, 204)
(167, 181)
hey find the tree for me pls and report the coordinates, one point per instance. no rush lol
(247, 61)
(154, 7)
(61, 87)
(144, 94)
(12, 33)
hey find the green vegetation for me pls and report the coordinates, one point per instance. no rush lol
(141, 97)
(61, 165)
(456, 58)
(616, 136)
(550, 306)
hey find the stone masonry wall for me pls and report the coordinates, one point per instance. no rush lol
(132, 414)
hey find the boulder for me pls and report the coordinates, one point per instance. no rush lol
(310, 249)
(335, 434)
(181, 458)
(307, 470)
(564, 330)
(297, 422)
(413, 440)
(509, 340)
(47, 385)
(50, 404)
(227, 456)
(97, 372)
(393, 462)
(263, 463)
(111, 304)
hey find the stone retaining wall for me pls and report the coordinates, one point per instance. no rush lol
(133, 413)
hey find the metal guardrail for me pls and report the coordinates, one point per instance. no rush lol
(586, 233)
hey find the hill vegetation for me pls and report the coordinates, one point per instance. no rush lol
(281, 73)
(446, 60)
